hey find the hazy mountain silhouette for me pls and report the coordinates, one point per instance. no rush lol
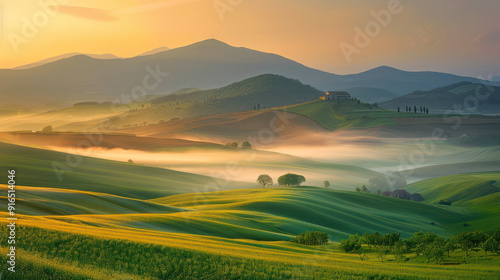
(463, 96)
(59, 57)
(205, 65)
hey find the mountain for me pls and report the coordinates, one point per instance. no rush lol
(205, 65)
(446, 98)
(371, 95)
(59, 57)
(155, 51)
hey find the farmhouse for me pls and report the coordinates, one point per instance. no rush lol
(337, 95)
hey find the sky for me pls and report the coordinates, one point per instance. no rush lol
(342, 36)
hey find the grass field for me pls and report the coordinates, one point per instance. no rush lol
(332, 115)
(180, 256)
(236, 234)
(40, 168)
(105, 219)
(478, 192)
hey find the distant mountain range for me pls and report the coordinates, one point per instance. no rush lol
(472, 98)
(205, 65)
(63, 56)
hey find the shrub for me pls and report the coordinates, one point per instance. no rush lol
(444, 202)
(246, 145)
(353, 244)
(311, 238)
(47, 129)
(417, 197)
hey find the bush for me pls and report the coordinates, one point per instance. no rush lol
(417, 197)
(444, 202)
(353, 244)
(47, 129)
(246, 145)
(311, 238)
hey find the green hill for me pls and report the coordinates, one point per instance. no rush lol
(333, 115)
(265, 90)
(290, 211)
(444, 98)
(40, 168)
(38, 201)
(459, 188)
(478, 193)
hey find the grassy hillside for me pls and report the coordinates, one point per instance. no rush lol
(476, 192)
(236, 235)
(39, 168)
(371, 95)
(459, 188)
(264, 91)
(444, 98)
(267, 90)
(294, 210)
(332, 115)
(41, 201)
(66, 253)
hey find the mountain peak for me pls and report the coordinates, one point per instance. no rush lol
(211, 42)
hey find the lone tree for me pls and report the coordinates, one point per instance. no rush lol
(47, 129)
(232, 145)
(246, 145)
(326, 184)
(265, 180)
(291, 180)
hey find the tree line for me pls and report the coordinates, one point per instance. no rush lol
(416, 109)
(429, 246)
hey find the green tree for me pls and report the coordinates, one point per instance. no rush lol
(471, 240)
(364, 189)
(434, 252)
(47, 129)
(398, 250)
(326, 184)
(311, 238)
(246, 145)
(490, 245)
(450, 246)
(232, 145)
(358, 189)
(265, 180)
(353, 244)
(291, 180)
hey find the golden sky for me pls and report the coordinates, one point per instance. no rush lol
(457, 36)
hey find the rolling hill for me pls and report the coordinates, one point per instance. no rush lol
(44, 168)
(477, 192)
(265, 90)
(479, 99)
(205, 65)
